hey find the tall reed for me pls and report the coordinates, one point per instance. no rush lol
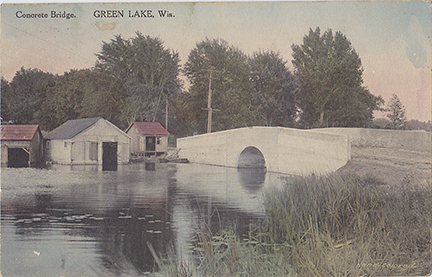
(345, 225)
(229, 254)
(337, 225)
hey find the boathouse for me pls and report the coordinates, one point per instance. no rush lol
(88, 141)
(21, 146)
(148, 138)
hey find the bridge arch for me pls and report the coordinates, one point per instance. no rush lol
(251, 157)
(286, 150)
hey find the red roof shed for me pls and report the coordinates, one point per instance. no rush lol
(150, 128)
(18, 132)
(148, 138)
(21, 145)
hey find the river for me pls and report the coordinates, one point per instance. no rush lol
(82, 221)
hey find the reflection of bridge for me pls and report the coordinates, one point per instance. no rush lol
(279, 149)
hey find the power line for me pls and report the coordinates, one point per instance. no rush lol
(46, 41)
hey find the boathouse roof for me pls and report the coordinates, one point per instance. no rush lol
(149, 128)
(71, 128)
(18, 132)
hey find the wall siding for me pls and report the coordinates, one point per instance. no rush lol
(86, 147)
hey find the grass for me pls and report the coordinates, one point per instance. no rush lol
(344, 225)
(226, 254)
(338, 225)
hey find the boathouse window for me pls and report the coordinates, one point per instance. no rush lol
(158, 140)
(47, 146)
(93, 151)
(65, 144)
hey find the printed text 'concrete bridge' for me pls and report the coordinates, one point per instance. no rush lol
(285, 150)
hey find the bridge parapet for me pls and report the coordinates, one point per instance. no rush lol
(285, 150)
(405, 139)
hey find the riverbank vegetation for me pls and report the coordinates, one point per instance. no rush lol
(339, 225)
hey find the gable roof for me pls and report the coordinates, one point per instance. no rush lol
(150, 128)
(18, 132)
(71, 128)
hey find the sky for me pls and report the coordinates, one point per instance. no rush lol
(392, 38)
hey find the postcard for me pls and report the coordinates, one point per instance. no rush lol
(216, 138)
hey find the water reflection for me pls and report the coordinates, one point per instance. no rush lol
(103, 221)
(252, 179)
(150, 166)
(86, 167)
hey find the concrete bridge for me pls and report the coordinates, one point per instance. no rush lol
(285, 150)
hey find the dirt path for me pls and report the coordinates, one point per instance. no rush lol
(390, 165)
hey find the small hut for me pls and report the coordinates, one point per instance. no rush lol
(21, 146)
(88, 141)
(148, 138)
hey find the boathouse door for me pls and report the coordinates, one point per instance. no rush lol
(150, 144)
(109, 156)
(18, 157)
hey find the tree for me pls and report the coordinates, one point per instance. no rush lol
(272, 90)
(380, 123)
(396, 113)
(5, 94)
(81, 93)
(21, 97)
(353, 108)
(217, 66)
(103, 96)
(415, 124)
(148, 73)
(329, 74)
(182, 121)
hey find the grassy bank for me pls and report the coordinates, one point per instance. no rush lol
(340, 225)
(345, 225)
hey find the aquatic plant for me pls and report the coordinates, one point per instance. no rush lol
(337, 225)
(345, 225)
(228, 254)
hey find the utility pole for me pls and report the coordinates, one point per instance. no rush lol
(166, 113)
(209, 108)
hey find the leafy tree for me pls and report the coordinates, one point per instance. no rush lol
(330, 82)
(80, 93)
(272, 90)
(353, 108)
(147, 71)
(226, 67)
(5, 94)
(61, 102)
(396, 113)
(415, 124)
(181, 119)
(21, 97)
(103, 96)
(381, 123)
